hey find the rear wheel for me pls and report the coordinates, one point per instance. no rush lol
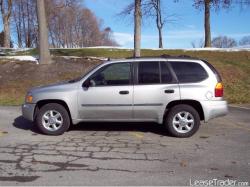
(182, 121)
(53, 119)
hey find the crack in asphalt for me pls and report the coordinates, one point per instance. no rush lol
(19, 178)
(23, 161)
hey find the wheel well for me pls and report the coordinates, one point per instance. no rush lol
(195, 104)
(44, 102)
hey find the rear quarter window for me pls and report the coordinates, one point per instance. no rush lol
(188, 72)
(216, 73)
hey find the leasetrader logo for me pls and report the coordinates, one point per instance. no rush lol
(217, 182)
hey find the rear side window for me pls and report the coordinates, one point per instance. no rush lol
(148, 73)
(188, 72)
(219, 79)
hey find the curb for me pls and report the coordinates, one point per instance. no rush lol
(245, 107)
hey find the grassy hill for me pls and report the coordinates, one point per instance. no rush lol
(234, 66)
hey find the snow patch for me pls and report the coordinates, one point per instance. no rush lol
(70, 57)
(84, 57)
(22, 58)
(218, 49)
(240, 48)
(95, 47)
(113, 48)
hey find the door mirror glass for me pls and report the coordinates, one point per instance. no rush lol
(86, 84)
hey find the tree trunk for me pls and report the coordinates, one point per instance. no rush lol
(137, 29)
(159, 22)
(207, 24)
(24, 31)
(6, 32)
(28, 26)
(44, 54)
(6, 10)
(19, 26)
(160, 38)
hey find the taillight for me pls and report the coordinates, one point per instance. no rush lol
(218, 90)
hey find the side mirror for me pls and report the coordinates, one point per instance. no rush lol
(86, 84)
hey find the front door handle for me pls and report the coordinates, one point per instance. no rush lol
(169, 91)
(124, 92)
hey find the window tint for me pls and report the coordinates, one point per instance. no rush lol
(166, 76)
(219, 79)
(148, 73)
(115, 74)
(189, 72)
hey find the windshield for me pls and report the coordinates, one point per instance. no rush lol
(81, 77)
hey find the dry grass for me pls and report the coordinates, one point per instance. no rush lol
(16, 78)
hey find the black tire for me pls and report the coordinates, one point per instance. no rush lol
(173, 129)
(64, 119)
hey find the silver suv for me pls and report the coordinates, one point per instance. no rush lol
(177, 92)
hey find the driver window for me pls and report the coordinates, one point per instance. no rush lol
(112, 75)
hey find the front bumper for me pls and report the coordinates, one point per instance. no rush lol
(28, 111)
(213, 109)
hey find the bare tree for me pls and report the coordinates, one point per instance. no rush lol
(43, 33)
(197, 44)
(243, 3)
(193, 44)
(25, 22)
(70, 24)
(151, 9)
(224, 42)
(159, 21)
(154, 9)
(6, 9)
(245, 41)
(216, 4)
(73, 25)
(107, 37)
(137, 28)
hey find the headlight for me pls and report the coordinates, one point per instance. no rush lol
(29, 98)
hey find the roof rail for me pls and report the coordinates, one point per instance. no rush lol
(166, 56)
(185, 56)
(163, 56)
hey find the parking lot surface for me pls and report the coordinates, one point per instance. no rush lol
(123, 153)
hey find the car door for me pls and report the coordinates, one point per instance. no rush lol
(110, 94)
(155, 86)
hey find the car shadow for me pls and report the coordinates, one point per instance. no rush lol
(22, 123)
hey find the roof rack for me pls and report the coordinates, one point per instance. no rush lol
(164, 56)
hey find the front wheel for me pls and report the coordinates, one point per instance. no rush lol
(53, 119)
(182, 121)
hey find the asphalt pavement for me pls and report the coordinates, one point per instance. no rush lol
(124, 153)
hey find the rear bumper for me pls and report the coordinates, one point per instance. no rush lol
(28, 111)
(213, 109)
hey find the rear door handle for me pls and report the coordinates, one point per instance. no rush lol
(124, 92)
(169, 91)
